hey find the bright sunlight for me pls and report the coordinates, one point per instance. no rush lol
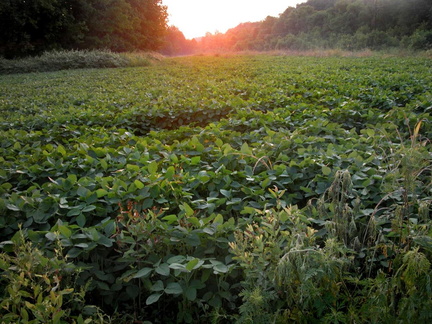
(197, 17)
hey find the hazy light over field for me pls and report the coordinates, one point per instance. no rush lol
(197, 17)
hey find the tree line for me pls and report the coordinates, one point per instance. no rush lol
(342, 24)
(29, 27)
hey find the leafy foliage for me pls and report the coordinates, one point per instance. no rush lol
(344, 24)
(38, 288)
(69, 60)
(118, 25)
(223, 188)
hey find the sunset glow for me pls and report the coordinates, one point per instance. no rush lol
(197, 17)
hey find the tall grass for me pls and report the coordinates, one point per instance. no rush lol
(65, 60)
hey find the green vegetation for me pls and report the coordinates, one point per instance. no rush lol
(67, 60)
(231, 189)
(334, 24)
(141, 25)
(41, 25)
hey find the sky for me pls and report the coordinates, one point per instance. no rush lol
(197, 17)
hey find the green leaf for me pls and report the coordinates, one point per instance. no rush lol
(245, 149)
(195, 160)
(72, 178)
(57, 317)
(81, 220)
(191, 293)
(91, 197)
(215, 301)
(82, 245)
(178, 266)
(65, 231)
(104, 164)
(326, 170)
(173, 288)
(218, 142)
(74, 252)
(105, 241)
(187, 209)
(139, 184)
(158, 286)
(82, 191)
(61, 150)
(88, 208)
(163, 269)
(51, 236)
(147, 203)
(194, 221)
(219, 267)
(176, 259)
(153, 298)
(132, 167)
(248, 211)
(209, 230)
(74, 211)
(152, 167)
(218, 219)
(191, 264)
(169, 174)
(170, 218)
(226, 193)
(144, 272)
(265, 183)
(12, 207)
(370, 132)
(110, 228)
(101, 192)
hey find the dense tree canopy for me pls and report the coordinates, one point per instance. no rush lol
(29, 27)
(344, 24)
(32, 26)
